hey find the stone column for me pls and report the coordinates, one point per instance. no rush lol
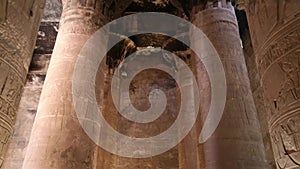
(57, 140)
(237, 142)
(275, 34)
(255, 83)
(19, 23)
(189, 151)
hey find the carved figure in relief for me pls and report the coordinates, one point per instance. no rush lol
(286, 140)
(1, 105)
(290, 89)
(279, 48)
(12, 88)
(11, 113)
(4, 136)
(291, 137)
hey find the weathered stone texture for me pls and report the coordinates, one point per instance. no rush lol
(190, 153)
(30, 97)
(140, 88)
(52, 11)
(274, 28)
(24, 121)
(237, 142)
(19, 23)
(57, 139)
(256, 86)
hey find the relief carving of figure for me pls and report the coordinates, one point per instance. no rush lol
(290, 89)
(286, 144)
(4, 136)
(12, 88)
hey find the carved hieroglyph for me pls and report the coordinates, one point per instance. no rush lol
(16, 47)
(278, 61)
(283, 106)
(237, 142)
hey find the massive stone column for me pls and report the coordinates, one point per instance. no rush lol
(237, 142)
(19, 22)
(274, 28)
(189, 151)
(257, 90)
(57, 140)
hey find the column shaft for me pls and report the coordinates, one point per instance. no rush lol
(237, 142)
(58, 140)
(19, 24)
(275, 35)
(189, 151)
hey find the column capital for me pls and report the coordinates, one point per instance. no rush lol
(82, 16)
(212, 4)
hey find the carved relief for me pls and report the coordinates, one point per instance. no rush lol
(18, 34)
(262, 13)
(87, 29)
(87, 22)
(290, 89)
(286, 141)
(5, 128)
(10, 94)
(4, 133)
(279, 61)
(17, 37)
(12, 88)
(278, 49)
(286, 132)
(4, 137)
(10, 53)
(79, 3)
(10, 35)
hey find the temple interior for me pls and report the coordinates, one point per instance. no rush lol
(149, 84)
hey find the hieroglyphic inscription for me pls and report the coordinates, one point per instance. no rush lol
(285, 131)
(278, 49)
(11, 85)
(17, 37)
(4, 137)
(239, 97)
(286, 143)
